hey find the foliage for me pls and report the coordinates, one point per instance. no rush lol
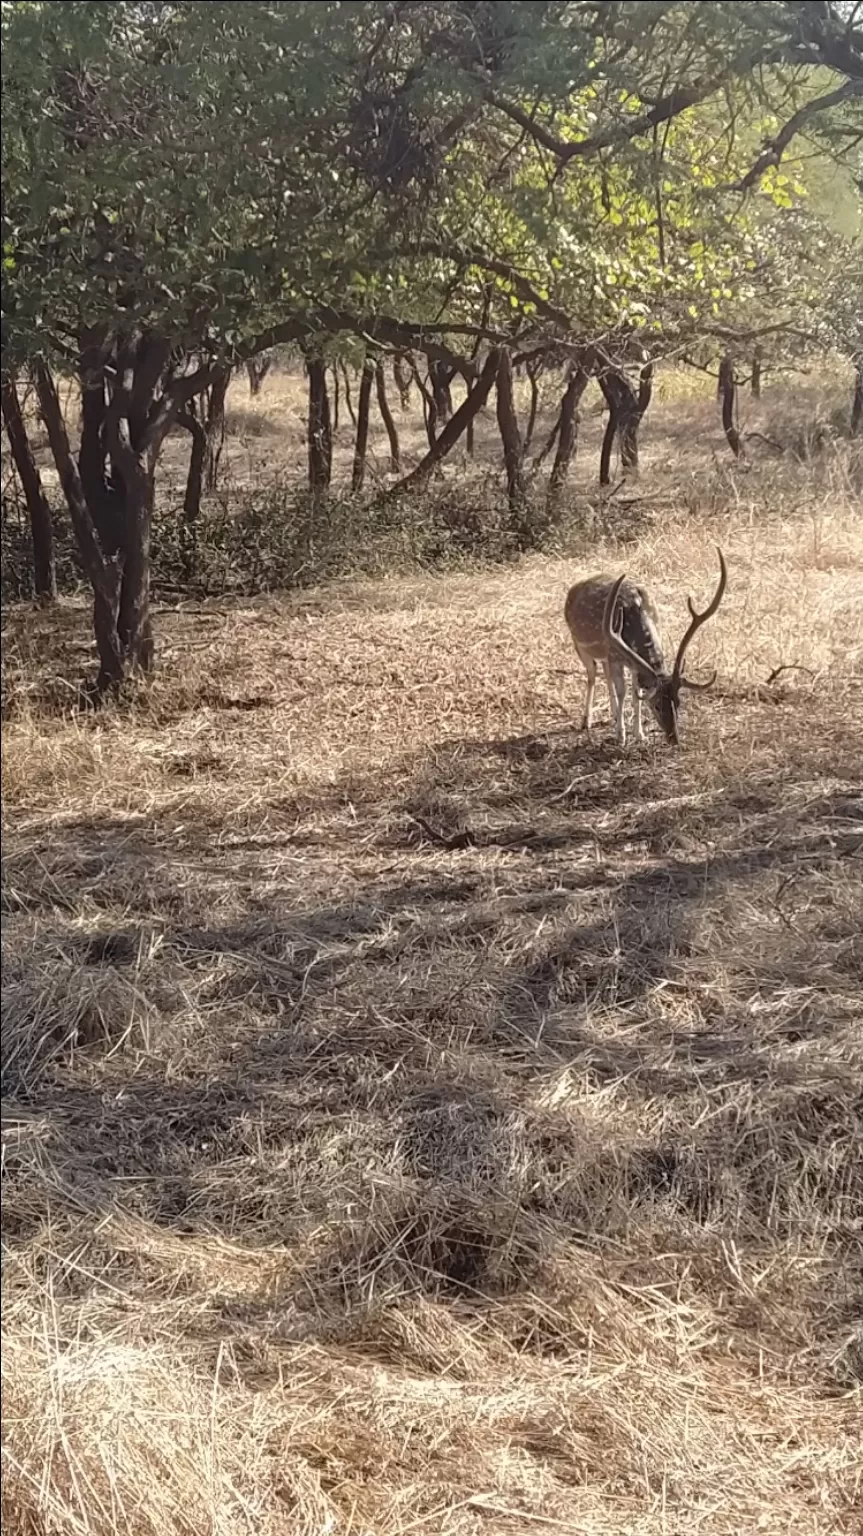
(185, 186)
(207, 172)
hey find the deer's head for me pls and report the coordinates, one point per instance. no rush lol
(663, 693)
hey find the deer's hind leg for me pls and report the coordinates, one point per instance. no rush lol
(637, 697)
(589, 665)
(616, 680)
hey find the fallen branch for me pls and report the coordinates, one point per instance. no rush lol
(451, 842)
(789, 666)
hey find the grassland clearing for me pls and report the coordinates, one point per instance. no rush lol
(358, 1180)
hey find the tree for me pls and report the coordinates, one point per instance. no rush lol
(367, 378)
(513, 446)
(320, 425)
(257, 369)
(138, 145)
(387, 418)
(187, 187)
(727, 392)
(566, 431)
(38, 507)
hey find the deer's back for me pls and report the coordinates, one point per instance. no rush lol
(585, 607)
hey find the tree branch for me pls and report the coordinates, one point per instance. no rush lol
(380, 329)
(662, 111)
(457, 424)
(776, 148)
(522, 285)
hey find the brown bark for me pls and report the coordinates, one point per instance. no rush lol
(727, 389)
(362, 438)
(110, 490)
(545, 450)
(403, 379)
(625, 412)
(112, 512)
(194, 489)
(607, 446)
(645, 389)
(337, 399)
(488, 295)
(214, 423)
(103, 569)
(457, 424)
(320, 431)
(513, 449)
(387, 416)
(134, 622)
(857, 403)
(38, 507)
(755, 383)
(568, 434)
(101, 496)
(132, 461)
(429, 408)
(257, 369)
(348, 399)
(533, 381)
(440, 379)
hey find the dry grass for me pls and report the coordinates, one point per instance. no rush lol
(357, 1185)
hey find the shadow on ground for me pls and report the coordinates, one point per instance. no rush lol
(404, 1067)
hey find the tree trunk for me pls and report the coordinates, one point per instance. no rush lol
(513, 450)
(104, 570)
(533, 380)
(214, 422)
(457, 424)
(429, 408)
(607, 446)
(727, 389)
(545, 450)
(756, 373)
(194, 488)
(348, 400)
(403, 378)
(440, 379)
(38, 508)
(625, 410)
(362, 439)
(134, 623)
(257, 369)
(857, 403)
(337, 399)
(320, 432)
(568, 435)
(632, 414)
(130, 395)
(645, 389)
(112, 513)
(100, 495)
(488, 295)
(387, 415)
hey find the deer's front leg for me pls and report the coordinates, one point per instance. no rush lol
(616, 680)
(636, 708)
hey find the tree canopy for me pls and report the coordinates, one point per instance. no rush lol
(185, 186)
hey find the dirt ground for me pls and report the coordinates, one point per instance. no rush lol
(419, 1117)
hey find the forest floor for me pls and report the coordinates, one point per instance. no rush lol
(418, 1117)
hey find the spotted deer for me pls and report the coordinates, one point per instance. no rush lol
(615, 622)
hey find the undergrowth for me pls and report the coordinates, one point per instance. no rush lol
(419, 1117)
